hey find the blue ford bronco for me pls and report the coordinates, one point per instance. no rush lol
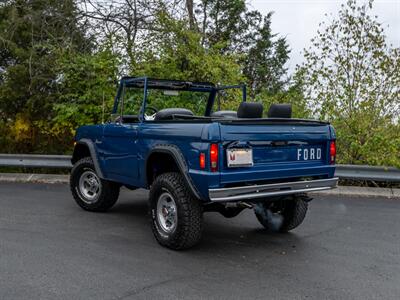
(172, 138)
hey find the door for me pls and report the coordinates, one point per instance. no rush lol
(120, 152)
(120, 138)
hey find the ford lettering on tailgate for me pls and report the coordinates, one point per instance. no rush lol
(312, 153)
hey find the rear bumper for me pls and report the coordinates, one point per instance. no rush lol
(268, 190)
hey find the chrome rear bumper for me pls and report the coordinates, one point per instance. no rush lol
(267, 190)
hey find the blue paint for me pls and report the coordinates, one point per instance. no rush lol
(123, 149)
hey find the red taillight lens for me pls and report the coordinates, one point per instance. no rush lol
(332, 152)
(202, 161)
(214, 157)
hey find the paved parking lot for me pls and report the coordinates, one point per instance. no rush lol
(347, 248)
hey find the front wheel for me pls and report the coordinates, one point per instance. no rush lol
(90, 191)
(282, 215)
(176, 216)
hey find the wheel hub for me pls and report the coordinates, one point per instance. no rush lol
(167, 212)
(89, 186)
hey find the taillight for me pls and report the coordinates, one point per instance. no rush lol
(202, 161)
(332, 152)
(214, 157)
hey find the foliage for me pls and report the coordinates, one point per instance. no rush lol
(31, 32)
(180, 56)
(87, 82)
(294, 96)
(352, 78)
(59, 61)
(264, 63)
(237, 30)
(224, 22)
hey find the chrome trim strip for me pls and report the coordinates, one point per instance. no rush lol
(267, 190)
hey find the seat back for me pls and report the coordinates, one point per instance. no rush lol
(229, 114)
(168, 113)
(250, 110)
(280, 111)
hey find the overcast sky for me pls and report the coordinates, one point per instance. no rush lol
(298, 20)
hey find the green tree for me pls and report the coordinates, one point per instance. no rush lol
(31, 35)
(224, 21)
(265, 59)
(227, 27)
(88, 86)
(124, 24)
(179, 55)
(293, 95)
(237, 30)
(351, 77)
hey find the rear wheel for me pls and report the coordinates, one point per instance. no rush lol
(90, 191)
(176, 216)
(282, 215)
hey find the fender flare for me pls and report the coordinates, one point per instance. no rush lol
(180, 161)
(93, 154)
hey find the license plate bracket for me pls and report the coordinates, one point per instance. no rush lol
(239, 157)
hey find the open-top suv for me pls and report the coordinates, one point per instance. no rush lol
(173, 138)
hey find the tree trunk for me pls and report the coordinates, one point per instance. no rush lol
(192, 18)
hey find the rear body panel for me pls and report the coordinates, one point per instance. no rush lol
(281, 151)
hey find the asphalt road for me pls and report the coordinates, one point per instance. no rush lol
(51, 249)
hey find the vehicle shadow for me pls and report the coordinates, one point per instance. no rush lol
(219, 233)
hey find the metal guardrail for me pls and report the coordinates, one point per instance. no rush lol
(35, 161)
(362, 172)
(356, 172)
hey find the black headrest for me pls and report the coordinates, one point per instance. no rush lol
(280, 111)
(250, 110)
(168, 113)
(224, 114)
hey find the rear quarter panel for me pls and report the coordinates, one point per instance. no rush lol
(190, 139)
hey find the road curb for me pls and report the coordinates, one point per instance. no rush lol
(34, 178)
(340, 191)
(363, 192)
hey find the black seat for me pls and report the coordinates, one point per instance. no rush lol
(127, 119)
(168, 113)
(250, 110)
(229, 114)
(280, 111)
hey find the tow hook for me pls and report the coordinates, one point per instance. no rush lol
(246, 205)
(240, 204)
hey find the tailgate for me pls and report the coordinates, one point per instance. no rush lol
(278, 151)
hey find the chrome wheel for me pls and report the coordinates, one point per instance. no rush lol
(89, 186)
(167, 212)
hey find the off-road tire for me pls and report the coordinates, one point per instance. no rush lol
(293, 213)
(188, 230)
(109, 190)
